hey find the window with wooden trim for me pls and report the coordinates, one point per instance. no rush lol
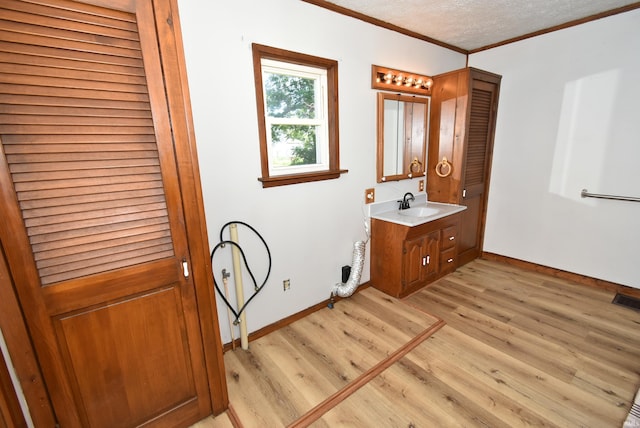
(297, 104)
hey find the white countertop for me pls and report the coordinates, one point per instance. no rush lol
(388, 211)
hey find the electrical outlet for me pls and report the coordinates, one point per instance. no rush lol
(369, 196)
(286, 284)
(421, 186)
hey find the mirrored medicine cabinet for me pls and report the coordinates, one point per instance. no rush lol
(403, 129)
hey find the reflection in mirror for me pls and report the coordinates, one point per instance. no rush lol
(402, 136)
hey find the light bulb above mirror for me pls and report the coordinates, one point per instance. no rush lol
(402, 81)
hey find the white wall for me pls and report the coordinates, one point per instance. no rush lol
(569, 118)
(310, 228)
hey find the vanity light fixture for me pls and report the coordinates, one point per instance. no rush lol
(400, 81)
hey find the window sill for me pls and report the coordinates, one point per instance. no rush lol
(283, 180)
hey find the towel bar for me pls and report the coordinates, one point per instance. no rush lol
(586, 194)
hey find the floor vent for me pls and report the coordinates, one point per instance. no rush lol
(628, 301)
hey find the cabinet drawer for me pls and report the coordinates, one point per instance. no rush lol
(447, 260)
(449, 236)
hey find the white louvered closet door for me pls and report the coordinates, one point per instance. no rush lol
(93, 228)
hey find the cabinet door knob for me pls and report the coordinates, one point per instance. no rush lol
(449, 260)
(451, 238)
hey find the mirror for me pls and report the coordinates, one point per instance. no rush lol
(403, 125)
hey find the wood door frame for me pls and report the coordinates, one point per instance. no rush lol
(179, 103)
(21, 351)
(10, 411)
(12, 322)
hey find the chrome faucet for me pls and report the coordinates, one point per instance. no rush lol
(404, 203)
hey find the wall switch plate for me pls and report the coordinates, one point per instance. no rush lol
(286, 284)
(369, 196)
(421, 186)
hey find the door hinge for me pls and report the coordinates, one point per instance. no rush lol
(185, 268)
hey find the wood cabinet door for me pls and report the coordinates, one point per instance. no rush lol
(93, 223)
(431, 255)
(477, 167)
(420, 259)
(412, 260)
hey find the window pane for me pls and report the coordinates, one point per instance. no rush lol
(297, 110)
(293, 145)
(290, 96)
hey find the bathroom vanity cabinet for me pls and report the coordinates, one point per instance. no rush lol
(464, 104)
(406, 258)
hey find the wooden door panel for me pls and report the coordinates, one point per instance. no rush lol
(469, 225)
(432, 252)
(94, 213)
(420, 259)
(129, 360)
(111, 286)
(447, 135)
(477, 148)
(412, 262)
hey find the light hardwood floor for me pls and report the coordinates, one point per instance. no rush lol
(519, 348)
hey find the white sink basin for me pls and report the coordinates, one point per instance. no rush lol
(419, 211)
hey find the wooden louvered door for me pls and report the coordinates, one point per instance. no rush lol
(477, 151)
(93, 217)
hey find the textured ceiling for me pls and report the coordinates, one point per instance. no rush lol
(473, 24)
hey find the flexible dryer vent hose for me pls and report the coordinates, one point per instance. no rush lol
(348, 288)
